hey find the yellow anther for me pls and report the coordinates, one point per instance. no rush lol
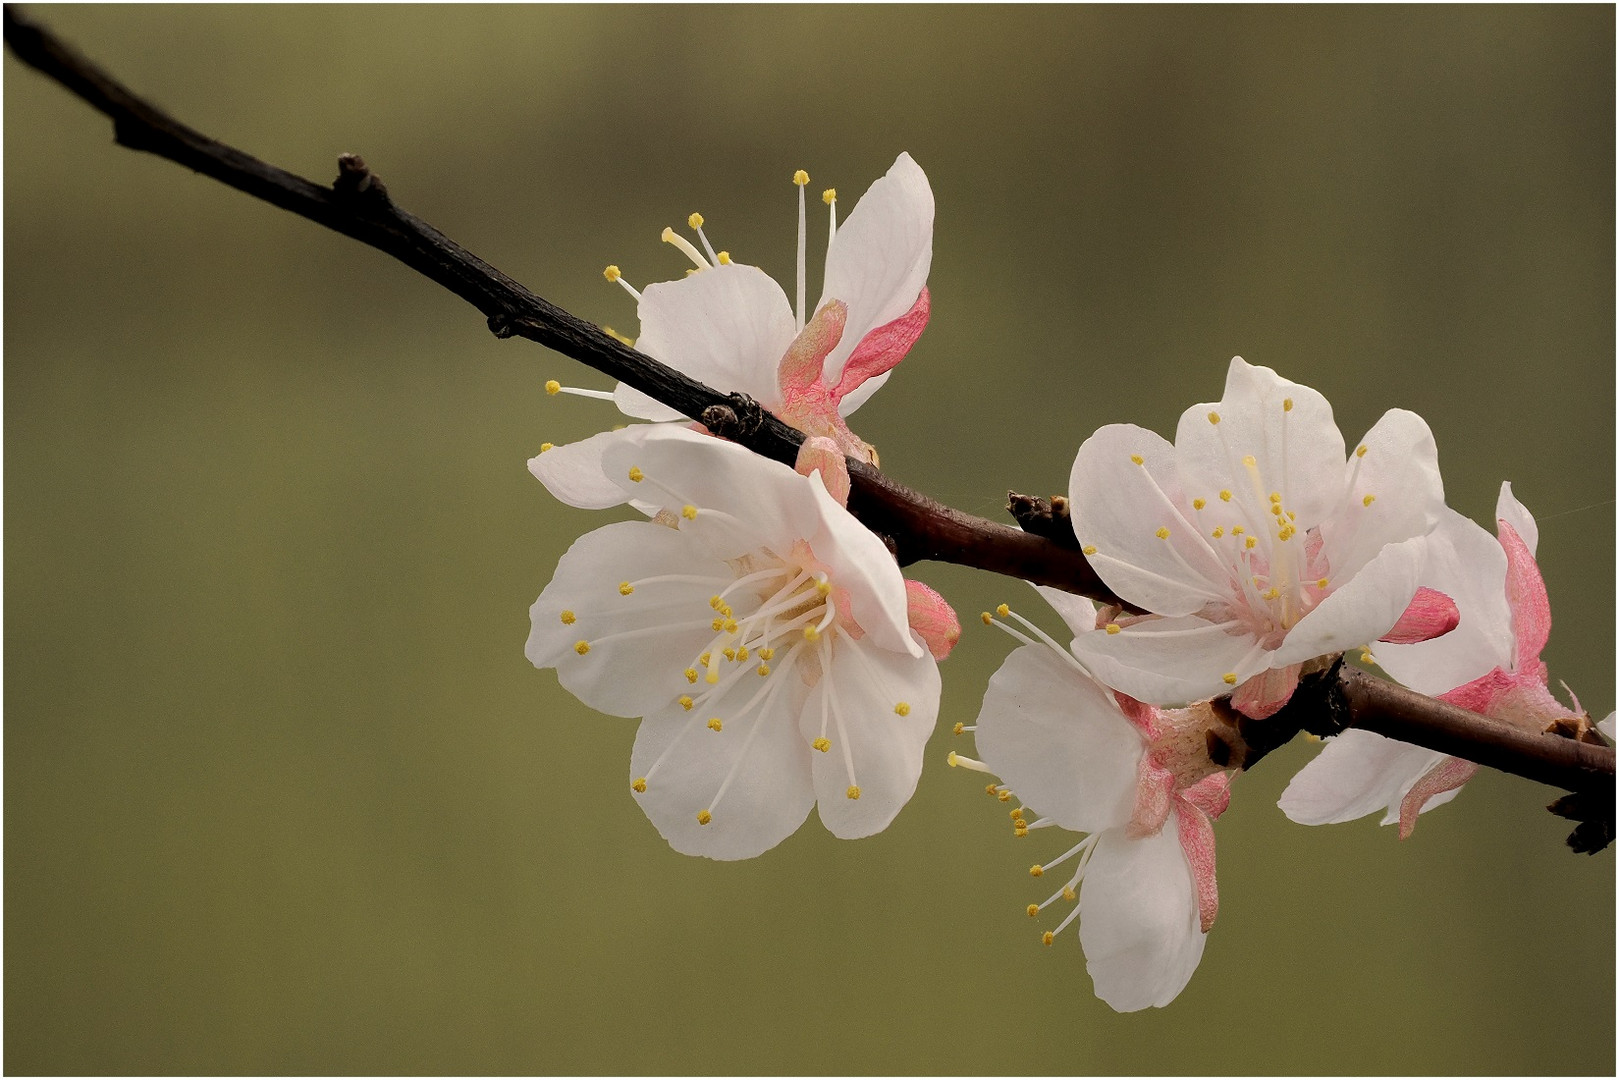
(989, 789)
(763, 669)
(1225, 495)
(1291, 516)
(959, 728)
(1003, 795)
(1276, 510)
(1033, 910)
(1112, 628)
(1003, 610)
(800, 177)
(1368, 500)
(767, 653)
(1229, 678)
(730, 654)
(544, 446)
(903, 708)
(1310, 737)
(1214, 418)
(730, 624)
(1272, 593)
(1248, 461)
(1321, 583)
(581, 647)
(612, 273)
(703, 660)
(725, 610)
(1218, 532)
(685, 702)
(553, 387)
(1017, 815)
(689, 512)
(989, 620)
(616, 336)
(1068, 893)
(1287, 404)
(695, 221)
(1089, 549)
(742, 654)
(1020, 830)
(714, 724)
(823, 744)
(715, 601)
(1162, 533)
(568, 618)
(725, 258)
(718, 624)
(1360, 451)
(1249, 543)
(823, 588)
(1036, 870)
(639, 783)
(704, 817)
(829, 196)
(1047, 938)
(853, 792)
(1237, 530)
(636, 475)
(811, 633)
(1286, 533)
(1138, 459)
(1365, 657)
(1276, 496)
(625, 588)
(1198, 504)
(691, 675)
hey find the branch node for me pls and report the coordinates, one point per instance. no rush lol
(1594, 812)
(738, 419)
(500, 325)
(355, 179)
(1048, 519)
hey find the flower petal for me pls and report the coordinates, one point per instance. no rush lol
(1139, 919)
(1172, 661)
(1467, 564)
(632, 674)
(685, 764)
(884, 347)
(573, 472)
(727, 326)
(1431, 614)
(887, 703)
(1078, 612)
(1434, 788)
(819, 453)
(1361, 610)
(1516, 514)
(1356, 773)
(878, 262)
(1296, 447)
(932, 619)
(1391, 493)
(1127, 505)
(1526, 596)
(1058, 739)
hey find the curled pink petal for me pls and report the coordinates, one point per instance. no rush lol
(1197, 841)
(1430, 614)
(1155, 787)
(799, 372)
(819, 453)
(884, 347)
(1265, 693)
(1139, 713)
(930, 616)
(1212, 794)
(1526, 596)
(1448, 775)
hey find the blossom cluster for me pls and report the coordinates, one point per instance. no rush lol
(779, 660)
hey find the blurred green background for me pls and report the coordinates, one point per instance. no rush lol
(282, 793)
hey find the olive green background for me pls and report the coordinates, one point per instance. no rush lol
(282, 793)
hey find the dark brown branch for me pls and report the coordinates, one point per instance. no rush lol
(358, 205)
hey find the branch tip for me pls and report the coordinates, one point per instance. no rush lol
(355, 178)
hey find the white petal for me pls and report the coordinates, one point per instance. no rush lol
(1078, 612)
(1298, 451)
(884, 747)
(1138, 919)
(573, 472)
(1516, 514)
(1401, 471)
(630, 676)
(1360, 611)
(1118, 508)
(878, 263)
(727, 327)
(1466, 564)
(767, 799)
(1172, 661)
(1059, 741)
(1358, 773)
(1606, 727)
(861, 563)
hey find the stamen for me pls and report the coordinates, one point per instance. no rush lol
(801, 178)
(553, 388)
(960, 761)
(696, 223)
(683, 245)
(612, 273)
(830, 197)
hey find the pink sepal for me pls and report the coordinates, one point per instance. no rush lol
(883, 347)
(1139, 713)
(1448, 775)
(1212, 794)
(1155, 793)
(1482, 693)
(1526, 596)
(1265, 693)
(820, 453)
(799, 372)
(1197, 841)
(1430, 614)
(932, 618)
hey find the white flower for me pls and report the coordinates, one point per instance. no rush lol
(729, 325)
(1136, 779)
(1489, 664)
(1253, 538)
(762, 633)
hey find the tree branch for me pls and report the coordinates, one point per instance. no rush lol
(358, 205)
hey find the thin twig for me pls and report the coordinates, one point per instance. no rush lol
(358, 205)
